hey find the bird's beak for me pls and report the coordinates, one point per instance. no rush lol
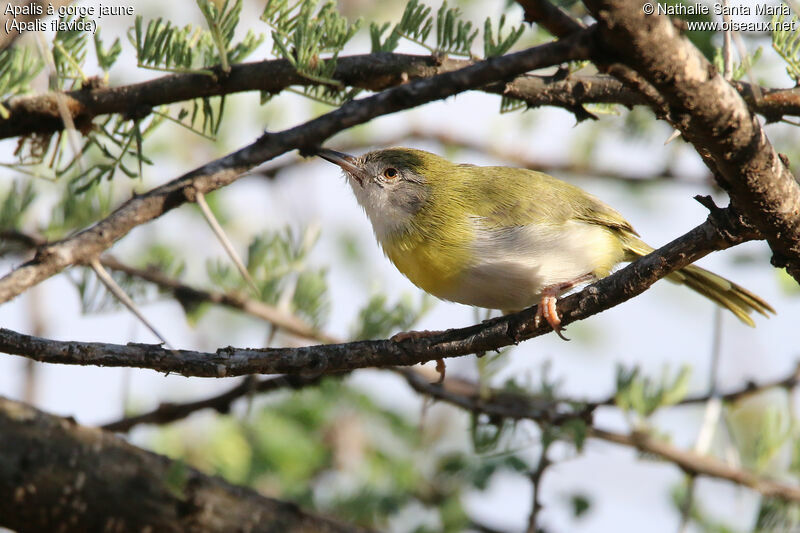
(348, 163)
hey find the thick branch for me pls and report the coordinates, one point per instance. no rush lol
(711, 115)
(58, 476)
(40, 114)
(92, 241)
(720, 231)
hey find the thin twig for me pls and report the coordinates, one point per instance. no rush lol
(727, 51)
(536, 482)
(512, 405)
(187, 293)
(710, 418)
(171, 412)
(119, 294)
(200, 198)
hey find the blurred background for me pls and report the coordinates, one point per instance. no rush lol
(367, 448)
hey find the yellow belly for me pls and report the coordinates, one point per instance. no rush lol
(509, 269)
(433, 268)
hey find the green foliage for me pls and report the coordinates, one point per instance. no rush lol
(697, 513)
(453, 35)
(75, 211)
(333, 449)
(478, 471)
(580, 504)
(574, 430)
(761, 427)
(376, 37)
(301, 34)
(741, 68)
(311, 296)
(222, 22)
(176, 479)
(69, 50)
(95, 298)
(509, 104)
(644, 396)
(787, 44)
(416, 23)
(14, 203)
(106, 57)
(486, 432)
(114, 145)
(378, 319)
(164, 46)
(18, 67)
(777, 515)
(326, 94)
(503, 44)
(277, 263)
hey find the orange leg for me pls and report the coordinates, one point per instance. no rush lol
(547, 305)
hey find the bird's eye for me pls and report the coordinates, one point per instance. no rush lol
(390, 173)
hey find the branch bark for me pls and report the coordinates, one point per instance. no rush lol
(170, 412)
(711, 115)
(56, 475)
(721, 230)
(91, 242)
(39, 113)
(502, 404)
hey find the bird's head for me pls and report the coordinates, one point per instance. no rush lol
(392, 185)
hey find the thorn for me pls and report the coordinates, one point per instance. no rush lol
(226, 243)
(120, 295)
(674, 135)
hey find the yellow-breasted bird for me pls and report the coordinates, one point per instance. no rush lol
(500, 237)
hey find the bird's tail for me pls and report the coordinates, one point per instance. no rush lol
(726, 293)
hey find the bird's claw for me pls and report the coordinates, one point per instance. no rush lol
(547, 310)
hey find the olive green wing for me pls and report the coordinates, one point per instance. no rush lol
(515, 197)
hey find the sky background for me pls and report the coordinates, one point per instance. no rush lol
(666, 327)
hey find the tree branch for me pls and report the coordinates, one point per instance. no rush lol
(39, 113)
(186, 293)
(170, 412)
(58, 476)
(92, 241)
(721, 230)
(551, 17)
(695, 464)
(711, 115)
(511, 405)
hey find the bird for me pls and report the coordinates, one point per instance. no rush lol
(502, 237)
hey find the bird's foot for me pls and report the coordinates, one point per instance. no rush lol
(547, 305)
(547, 310)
